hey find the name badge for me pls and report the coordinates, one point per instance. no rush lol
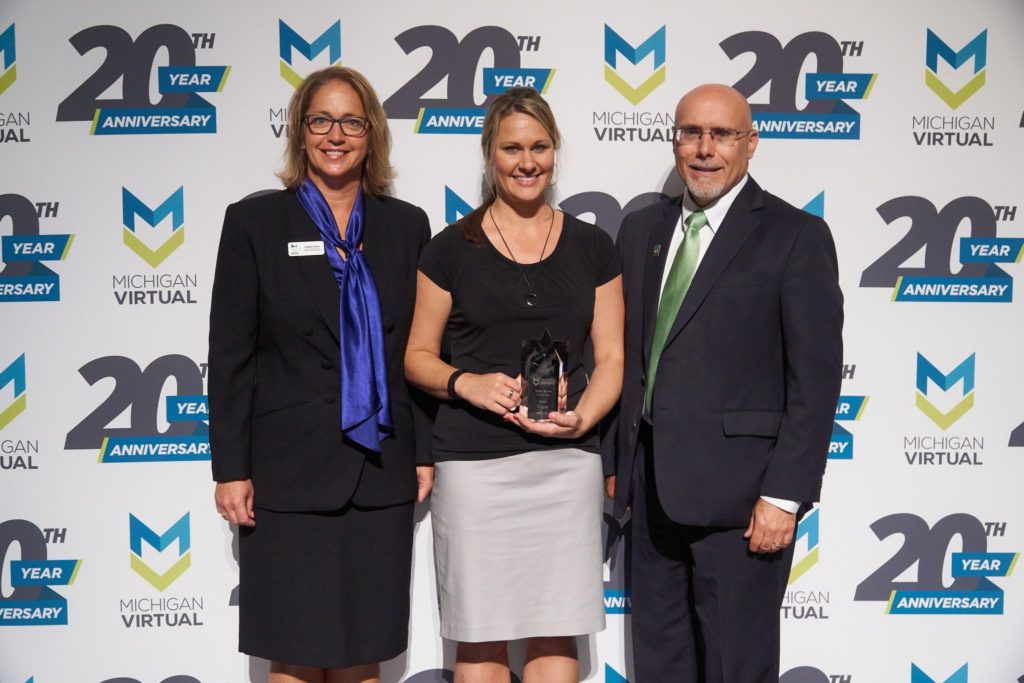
(306, 248)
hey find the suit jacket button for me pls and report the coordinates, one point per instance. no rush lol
(643, 380)
(326, 364)
(328, 399)
(389, 326)
(635, 425)
(307, 332)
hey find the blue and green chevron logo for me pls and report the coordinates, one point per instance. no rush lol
(9, 72)
(945, 381)
(935, 47)
(179, 531)
(173, 206)
(290, 41)
(615, 45)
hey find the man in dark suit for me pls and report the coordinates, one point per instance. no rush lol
(733, 367)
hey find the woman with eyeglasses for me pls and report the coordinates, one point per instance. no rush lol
(516, 512)
(313, 428)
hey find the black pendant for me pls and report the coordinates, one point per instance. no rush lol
(530, 299)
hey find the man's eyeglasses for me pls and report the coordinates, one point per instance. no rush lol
(690, 136)
(353, 126)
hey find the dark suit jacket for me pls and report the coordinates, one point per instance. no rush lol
(274, 379)
(747, 384)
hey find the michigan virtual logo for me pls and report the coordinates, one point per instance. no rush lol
(32, 600)
(14, 125)
(979, 278)
(975, 51)
(181, 85)
(954, 76)
(300, 57)
(140, 394)
(25, 252)
(153, 234)
(9, 63)
(944, 398)
(132, 208)
(160, 559)
(941, 581)
(917, 675)
(14, 376)
(804, 602)
(179, 533)
(290, 43)
(616, 46)
(826, 114)
(456, 63)
(15, 453)
(930, 376)
(18, 454)
(634, 72)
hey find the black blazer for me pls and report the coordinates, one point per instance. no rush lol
(747, 384)
(274, 379)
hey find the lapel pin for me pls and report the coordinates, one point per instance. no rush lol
(656, 251)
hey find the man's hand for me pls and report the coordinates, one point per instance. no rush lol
(771, 528)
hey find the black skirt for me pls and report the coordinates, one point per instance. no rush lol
(326, 589)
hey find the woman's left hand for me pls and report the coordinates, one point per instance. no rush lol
(424, 481)
(568, 425)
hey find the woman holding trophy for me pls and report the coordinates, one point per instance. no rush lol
(518, 287)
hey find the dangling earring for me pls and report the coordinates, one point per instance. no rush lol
(554, 174)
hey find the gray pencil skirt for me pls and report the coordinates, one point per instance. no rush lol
(517, 545)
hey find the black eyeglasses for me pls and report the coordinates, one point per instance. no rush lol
(353, 126)
(690, 136)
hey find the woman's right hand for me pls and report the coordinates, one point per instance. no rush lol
(234, 501)
(495, 391)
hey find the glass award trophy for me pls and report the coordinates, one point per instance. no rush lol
(545, 383)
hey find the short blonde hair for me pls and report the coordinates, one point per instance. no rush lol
(377, 170)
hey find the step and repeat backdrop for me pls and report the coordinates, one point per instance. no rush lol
(126, 128)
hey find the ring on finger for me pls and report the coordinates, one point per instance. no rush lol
(777, 546)
(509, 394)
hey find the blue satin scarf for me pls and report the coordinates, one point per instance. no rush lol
(365, 408)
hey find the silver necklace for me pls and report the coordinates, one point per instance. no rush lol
(530, 298)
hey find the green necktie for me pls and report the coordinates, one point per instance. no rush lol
(679, 277)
